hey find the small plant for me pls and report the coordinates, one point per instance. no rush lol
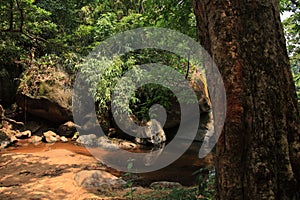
(206, 180)
(183, 194)
(130, 179)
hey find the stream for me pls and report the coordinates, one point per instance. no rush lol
(179, 171)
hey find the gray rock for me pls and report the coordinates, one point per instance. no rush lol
(67, 129)
(99, 180)
(88, 140)
(51, 137)
(153, 133)
(105, 143)
(165, 185)
(114, 144)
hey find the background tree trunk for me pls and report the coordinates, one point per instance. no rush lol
(258, 153)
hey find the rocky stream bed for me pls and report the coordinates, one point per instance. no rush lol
(68, 171)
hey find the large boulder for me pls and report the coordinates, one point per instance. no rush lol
(98, 180)
(46, 92)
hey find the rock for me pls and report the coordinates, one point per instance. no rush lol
(88, 140)
(45, 108)
(35, 139)
(4, 144)
(64, 139)
(51, 137)
(24, 134)
(153, 133)
(67, 129)
(105, 143)
(165, 185)
(126, 144)
(45, 92)
(98, 180)
(5, 141)
(114, 144)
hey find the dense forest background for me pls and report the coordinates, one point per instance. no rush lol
(61, 34)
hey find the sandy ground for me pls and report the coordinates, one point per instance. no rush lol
(44, 175)
(47, 172)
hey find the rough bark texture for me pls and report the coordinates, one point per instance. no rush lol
(258, 152)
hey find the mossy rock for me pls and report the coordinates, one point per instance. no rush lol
(46, 92)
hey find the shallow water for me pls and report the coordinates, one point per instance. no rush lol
(179, 171)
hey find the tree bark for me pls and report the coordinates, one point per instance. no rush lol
(258, 152)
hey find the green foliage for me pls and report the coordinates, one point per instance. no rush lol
(64, 32)
(206, 180)
(110, 80)
(173, 14)
(292, 29)
(104, 81)
(186, 193)
(297, 83)
(183, 194)
(130, 178)
(24, 29)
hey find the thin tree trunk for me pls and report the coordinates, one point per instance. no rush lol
(258, 153)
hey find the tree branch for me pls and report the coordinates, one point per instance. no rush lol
(11, 20)
(12, 121)
(21, 15)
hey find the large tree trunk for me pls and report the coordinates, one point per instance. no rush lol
(258, 153)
